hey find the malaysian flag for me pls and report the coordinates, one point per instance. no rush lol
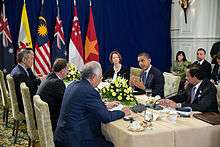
(75, 46)
(42, 64)
(7, 56)
(58, 46)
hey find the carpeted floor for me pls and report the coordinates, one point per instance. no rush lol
(6, 138)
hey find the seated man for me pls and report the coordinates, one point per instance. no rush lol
(205, 65)
(82, 112)
(51, 90)
(22, 73)
(200, 93)
(151, 77)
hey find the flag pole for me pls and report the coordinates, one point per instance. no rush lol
(58, 9)
(3, 9)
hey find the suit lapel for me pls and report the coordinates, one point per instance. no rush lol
(200, 91)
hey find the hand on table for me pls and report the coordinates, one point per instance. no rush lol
(112, 104)
(126, 111)
(167, 103)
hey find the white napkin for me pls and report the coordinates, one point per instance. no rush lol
(119, 107)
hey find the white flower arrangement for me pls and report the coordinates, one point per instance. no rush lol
(118, 90)
(73, 73)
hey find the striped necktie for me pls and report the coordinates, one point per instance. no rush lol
(193, 93)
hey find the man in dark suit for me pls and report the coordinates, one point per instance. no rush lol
(82, 112)
(214, 51)
(151, 77)
(200, 93)
(51, 89)
(205, 65)
(22, 73)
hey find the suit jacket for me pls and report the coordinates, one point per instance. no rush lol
(214, 51)
(206, 69)
(154, 81)
(81, 115)
(205, 98)
(124, 72)
(215, 75)
(20, 75)
(51, 91)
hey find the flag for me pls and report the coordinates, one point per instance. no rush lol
(42, 64)
(91, 45)
(75, 45)
(24, 38)
(7, 56)
(58, 46)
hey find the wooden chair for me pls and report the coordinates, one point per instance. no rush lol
(5, 98)
(43, 122)
(29, 115)
(16, 114)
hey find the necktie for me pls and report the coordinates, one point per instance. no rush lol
(193, 93)
(144, 78)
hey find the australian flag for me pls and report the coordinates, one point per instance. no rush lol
(7, 56)
(58, 46)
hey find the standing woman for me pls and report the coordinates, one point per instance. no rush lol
(116, 68)
(180, 65)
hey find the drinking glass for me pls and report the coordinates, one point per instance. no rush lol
(148, 92)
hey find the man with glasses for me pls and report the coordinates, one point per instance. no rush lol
(51, 90)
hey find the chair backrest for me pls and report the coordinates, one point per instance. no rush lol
(13, 96)
(29, 112)
(4, 92)
(43, 122)
(171, 85)
(134, 71)
(218, 96)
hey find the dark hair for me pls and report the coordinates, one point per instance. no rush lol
(195, 70)
(59, 64)
(201, 49)
(23, 53)
(145, 55)
(179, 53)
(115, 52)
(217, 56)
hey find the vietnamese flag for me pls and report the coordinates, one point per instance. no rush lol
(91, 43)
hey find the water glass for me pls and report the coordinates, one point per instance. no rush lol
(148, 92)
(148, 116)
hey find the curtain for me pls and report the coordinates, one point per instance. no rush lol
(130, 26)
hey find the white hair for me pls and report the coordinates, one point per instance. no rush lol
(90, 69)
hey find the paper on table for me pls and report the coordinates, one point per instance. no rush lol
(119, 107)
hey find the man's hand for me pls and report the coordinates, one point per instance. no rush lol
(134, 81)
(126, 111)
(167, 103)
(112, 104)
